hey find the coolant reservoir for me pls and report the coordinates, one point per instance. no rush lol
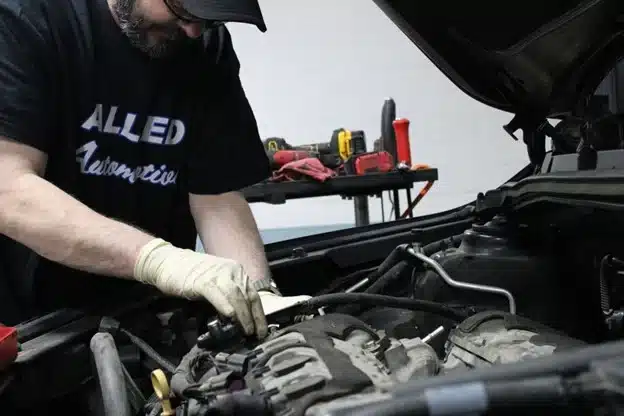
(493, 254)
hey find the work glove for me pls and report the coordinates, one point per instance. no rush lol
(272, 302)
(192, 275)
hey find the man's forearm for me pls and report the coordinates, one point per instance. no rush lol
(227, 228)
(58, 227)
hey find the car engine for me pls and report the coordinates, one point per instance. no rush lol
(339, 351)
(327, 364)
(452, 311)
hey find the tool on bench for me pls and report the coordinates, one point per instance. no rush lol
(346, 143)
(401, 133)
(276, 143)
(387, 142)
(361, 162)
(332, 154)
(280, 152)
(374, 162)
(404, 155)
(279, 158)
(338, 145)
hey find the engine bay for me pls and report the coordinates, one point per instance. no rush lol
(339, 351)
(503, 292)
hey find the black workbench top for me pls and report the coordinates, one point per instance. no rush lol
(347, 186)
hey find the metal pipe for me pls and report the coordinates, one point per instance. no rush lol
(433, 334)
(358, 285)
(352, 289)
(360, 207)
(462, 285)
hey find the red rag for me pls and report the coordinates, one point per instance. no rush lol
(310, 168)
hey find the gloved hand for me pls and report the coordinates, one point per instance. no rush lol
(192, 275)
(272, 303)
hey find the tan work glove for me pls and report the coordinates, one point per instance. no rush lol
(192, 275)
(272, 303)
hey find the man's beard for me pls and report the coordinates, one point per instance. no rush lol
(137, 29)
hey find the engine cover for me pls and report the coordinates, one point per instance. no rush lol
(336, 362)
(325, 358)
(492, 338)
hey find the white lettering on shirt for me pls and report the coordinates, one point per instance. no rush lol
(157, 130)
(160, 175)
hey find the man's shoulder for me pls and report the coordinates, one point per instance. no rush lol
(45, 16)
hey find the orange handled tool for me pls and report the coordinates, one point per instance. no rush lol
(401, 132)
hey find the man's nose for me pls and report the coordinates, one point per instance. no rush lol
(192, 30)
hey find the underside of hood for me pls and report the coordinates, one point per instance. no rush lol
(539, 58)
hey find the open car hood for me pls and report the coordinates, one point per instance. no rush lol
(531, 57)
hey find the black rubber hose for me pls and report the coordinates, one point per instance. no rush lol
(375, 300)
(386, 271)
(446, 243)
(373, 275)
(393, 258)
(393, 266)
(110, 375)
(342, 283)
(147, 349)
(391, 275)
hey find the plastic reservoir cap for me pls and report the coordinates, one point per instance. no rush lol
(8, 346)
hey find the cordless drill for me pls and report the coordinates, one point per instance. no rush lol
(280, 152)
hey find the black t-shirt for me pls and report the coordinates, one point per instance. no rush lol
(127, 135)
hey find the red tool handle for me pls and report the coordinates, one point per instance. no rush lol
(282, 157)
(401, 132)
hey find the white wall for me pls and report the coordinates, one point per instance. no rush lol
(325, 64)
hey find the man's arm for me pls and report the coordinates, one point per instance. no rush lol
(227, 228)
(32, 210)
(56, 226)
(226, 156)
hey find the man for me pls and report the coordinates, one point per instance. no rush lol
(124, 128)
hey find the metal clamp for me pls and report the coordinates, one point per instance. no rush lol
(462, 285)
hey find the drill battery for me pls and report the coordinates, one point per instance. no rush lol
(372, 162)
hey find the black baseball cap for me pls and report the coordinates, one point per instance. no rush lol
(242, 11)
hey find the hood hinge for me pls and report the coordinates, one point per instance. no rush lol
(533, 134)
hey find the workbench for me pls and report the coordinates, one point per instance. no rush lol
(358, 187)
